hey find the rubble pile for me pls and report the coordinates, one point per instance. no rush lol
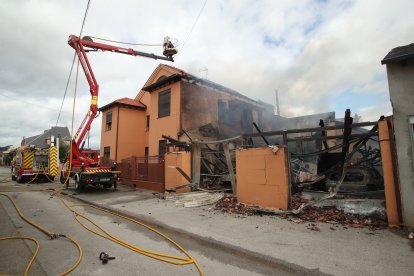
(228, 204)
(331, 215)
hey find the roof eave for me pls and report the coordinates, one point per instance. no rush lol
(164, 82)
(397, 59)
(113, 104)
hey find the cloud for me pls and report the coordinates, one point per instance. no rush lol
(345, 53)
(311, 51)
(370, 113)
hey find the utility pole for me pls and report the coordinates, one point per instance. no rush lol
(277, 103)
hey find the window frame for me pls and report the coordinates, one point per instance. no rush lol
(160, 95)
(162, 147)
(147, 123)
(108, 124)
(107, 153)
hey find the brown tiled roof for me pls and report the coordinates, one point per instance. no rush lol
(127, 102)
(175, 68)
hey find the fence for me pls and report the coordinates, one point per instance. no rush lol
(136, 170)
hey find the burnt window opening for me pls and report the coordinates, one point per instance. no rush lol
(108, 124)
(107, 152)
(164, 103)
(147, 124)
(260, 119)
(247, 120)
(222, 111)
(162, 147)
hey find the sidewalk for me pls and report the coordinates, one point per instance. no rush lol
(338, 252)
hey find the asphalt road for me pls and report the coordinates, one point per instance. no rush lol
(56, 256)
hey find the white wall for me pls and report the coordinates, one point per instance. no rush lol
(401, 85)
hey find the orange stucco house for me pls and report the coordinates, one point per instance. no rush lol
(172, 101)
(180, 105)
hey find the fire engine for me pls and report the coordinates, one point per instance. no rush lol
(81, 164)
(30, 163)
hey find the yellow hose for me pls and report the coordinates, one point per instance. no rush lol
(176, 260)
(34, 178)
(34, 254)
(4, 180)
(49, 234)
(77, 261)
(50, 180)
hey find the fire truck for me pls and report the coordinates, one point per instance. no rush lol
(83, 165)
(30, 163)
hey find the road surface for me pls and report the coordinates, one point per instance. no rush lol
(56, 256)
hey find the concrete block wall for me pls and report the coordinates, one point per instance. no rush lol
(263, 177)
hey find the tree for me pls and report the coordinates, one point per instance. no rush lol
(63, 150)
(7, 158)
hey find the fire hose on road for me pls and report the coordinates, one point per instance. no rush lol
(80, 218)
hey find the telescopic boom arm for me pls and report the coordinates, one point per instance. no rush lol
(84, 45)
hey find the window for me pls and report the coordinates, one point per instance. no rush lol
(146, 154)
(247, 120)
(164, 102)
(108, 121)
(107, 152)
(147, 123)
(162, 147)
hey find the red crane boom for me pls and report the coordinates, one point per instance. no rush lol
(82, 46)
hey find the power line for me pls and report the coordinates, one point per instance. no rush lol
(126, 43)
(192, 28)
(30, 103)
(73, 62)
(84, 18)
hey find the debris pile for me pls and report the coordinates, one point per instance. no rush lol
(228, 204)
(194, 199)
(331, 215)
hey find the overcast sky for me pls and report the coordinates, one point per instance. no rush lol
(320, 55)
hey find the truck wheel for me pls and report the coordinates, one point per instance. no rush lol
(78, 184)
(13, 176)
(62, 179)
(40, 178)
(19, 179)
